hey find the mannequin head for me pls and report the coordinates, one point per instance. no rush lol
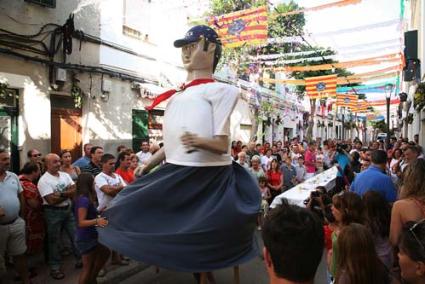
(201, 49)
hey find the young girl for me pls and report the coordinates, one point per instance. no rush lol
(378, 218)
(274, 179)
(358, 262)
(346, 208)
(265, 195)
(94, 255)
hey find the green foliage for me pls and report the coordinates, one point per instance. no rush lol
(291, 25)
(379, 125)
(3, 89)
(220, 7)
(419, 99)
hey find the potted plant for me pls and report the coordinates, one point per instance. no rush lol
(419, 99)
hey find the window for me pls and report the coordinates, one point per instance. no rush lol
(137, 19)
(46, 3)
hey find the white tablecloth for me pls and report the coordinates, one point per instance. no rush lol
(301, 192)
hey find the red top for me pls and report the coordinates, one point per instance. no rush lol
(127, 176)
(310, 161)
(274, 178)
(328, 237)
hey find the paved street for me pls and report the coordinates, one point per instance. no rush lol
(253, 272)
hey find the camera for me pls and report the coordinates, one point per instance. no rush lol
(315, 194)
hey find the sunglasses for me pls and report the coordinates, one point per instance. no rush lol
(412, 231)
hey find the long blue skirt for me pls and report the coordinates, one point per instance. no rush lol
(191, 219)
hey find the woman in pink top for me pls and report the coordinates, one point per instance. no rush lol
(310, 160)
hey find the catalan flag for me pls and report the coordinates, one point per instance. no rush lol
(362, 106)
(321, 86)
(347, 100)
(242, 27)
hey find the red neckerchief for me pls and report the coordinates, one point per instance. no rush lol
(165, 96)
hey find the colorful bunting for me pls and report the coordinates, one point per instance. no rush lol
(394, 57)
(320, 7)
(242, 27)
(321, 86)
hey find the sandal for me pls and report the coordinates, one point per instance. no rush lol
(57, 274)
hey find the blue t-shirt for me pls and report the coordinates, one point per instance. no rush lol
(82, 162)
(374, 179)
(342, 161)
(85, 233)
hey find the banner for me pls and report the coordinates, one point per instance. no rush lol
(356, 78)
(346, 100)
(361, 107)
(242, 27)
(394, 57)
(319, 7)
(321, 86)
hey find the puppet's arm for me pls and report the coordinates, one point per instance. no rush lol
(153, 161)
(217, 144)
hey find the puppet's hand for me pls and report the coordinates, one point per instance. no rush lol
(140, 170)
(190, 140)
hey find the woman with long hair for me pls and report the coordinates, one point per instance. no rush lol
(66, 165)
(411, 204)
(358, 262)
(378, 219)
(412, 252)
(93, 254)
(274, 179)
(346, 208)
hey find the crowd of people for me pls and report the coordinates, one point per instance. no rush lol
(53, 207)
(378, 204)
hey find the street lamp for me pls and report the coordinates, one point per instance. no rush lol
(343, 121)
(388, 91)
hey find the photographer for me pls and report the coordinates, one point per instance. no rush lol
(344, 176)
(318, 202)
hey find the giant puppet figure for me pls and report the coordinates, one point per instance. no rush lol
(198, 211)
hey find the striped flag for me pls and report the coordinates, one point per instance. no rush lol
(242, 27)
(321, 86)
(362, 106)
(347, 100)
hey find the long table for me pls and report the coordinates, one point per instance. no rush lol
(301, 192)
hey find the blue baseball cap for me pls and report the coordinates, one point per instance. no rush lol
(195, 33)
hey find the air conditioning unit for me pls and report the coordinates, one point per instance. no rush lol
(60, 75)
(106, 86)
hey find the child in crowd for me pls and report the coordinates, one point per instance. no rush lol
(93, 254)
(347, 208)
(265, 195)
(301, 170)
(358, 262)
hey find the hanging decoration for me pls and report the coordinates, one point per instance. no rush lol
(370, 88)
(321, 86)
(394, 57)
(319, 7)
(242, 27)
(362, 106)
(346, 100)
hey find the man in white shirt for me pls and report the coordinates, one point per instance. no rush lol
(144, 154)
(12, 227)
(107, 183)
(266, 160)
(57, 190)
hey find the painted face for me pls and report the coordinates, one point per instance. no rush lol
(195, 58)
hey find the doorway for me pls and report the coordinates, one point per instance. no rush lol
(9, 113)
